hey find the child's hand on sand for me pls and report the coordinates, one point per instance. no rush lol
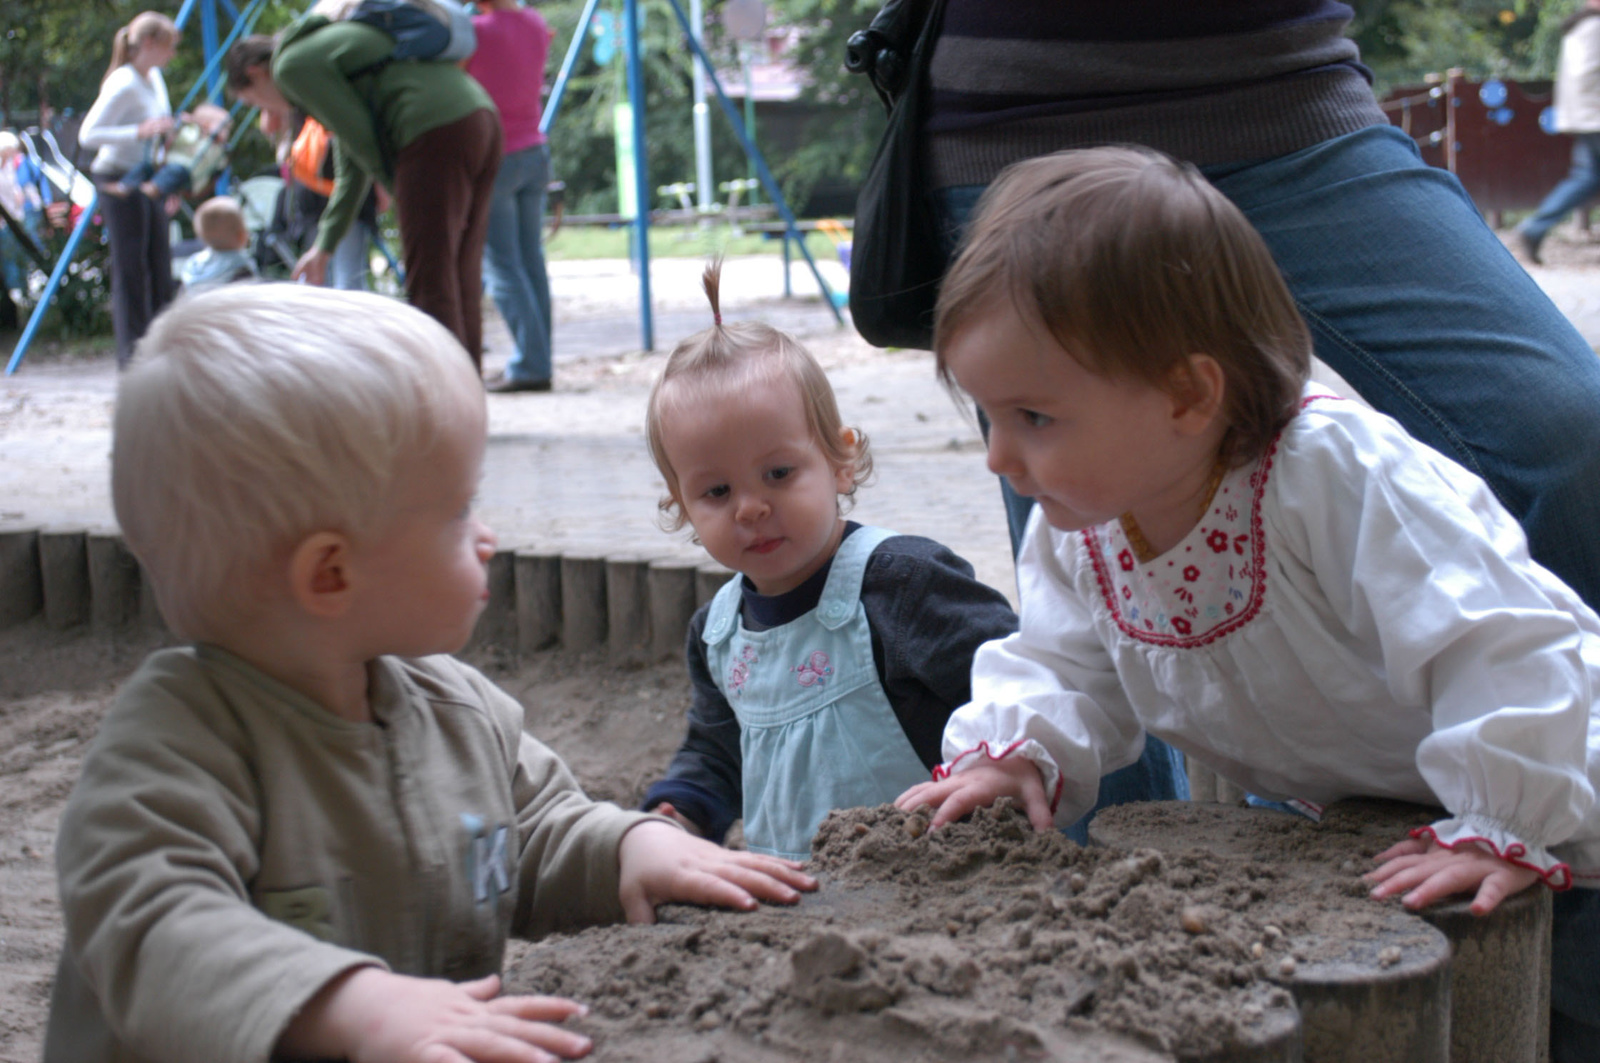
(981, 786)
(665, 809)
(1430, 873)
(372, 1016)
(662, 864)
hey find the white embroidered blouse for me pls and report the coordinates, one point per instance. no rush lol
(1355, 615)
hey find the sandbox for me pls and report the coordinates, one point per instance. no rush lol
(1223, 934)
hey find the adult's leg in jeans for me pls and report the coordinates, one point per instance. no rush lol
(347, 270)
(12, 263)
(1414, 301)
(1581, 182)
(127, 221)
(516, 205)
(533, 241)
(1158, 774)
(1575, 977)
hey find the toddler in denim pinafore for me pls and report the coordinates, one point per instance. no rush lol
(824, 674)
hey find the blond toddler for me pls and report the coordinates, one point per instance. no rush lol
(220, 225)
(308, 832)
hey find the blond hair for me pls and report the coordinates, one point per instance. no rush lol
(144, 27)
(1134, 262)
(219, 222)
(258, 414)
(725, 359)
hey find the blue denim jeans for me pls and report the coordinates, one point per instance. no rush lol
(351, 261)
(513, 260)
(1413, 300)
(1575, 977)
(1581, 182)
(1158, 775)
(14, 265)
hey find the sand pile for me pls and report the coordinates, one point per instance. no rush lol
(981, 940)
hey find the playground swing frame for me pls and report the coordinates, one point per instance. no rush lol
(215, 50)
(635, 81)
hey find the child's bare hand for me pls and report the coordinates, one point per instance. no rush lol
(665, 809)
(1430, 873)
(662, 863)
(981, 786)
(372, 1016)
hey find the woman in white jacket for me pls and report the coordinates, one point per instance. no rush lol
(130, 113)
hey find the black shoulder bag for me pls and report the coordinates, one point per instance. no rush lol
(896, 256)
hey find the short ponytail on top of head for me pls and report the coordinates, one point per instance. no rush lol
(717, 364)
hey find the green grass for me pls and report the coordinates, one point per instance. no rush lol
(575, 242)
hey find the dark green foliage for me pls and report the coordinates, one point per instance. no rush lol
(582, 147)
(849, 121)
(56, 51)
(82, 304)
(1405, 40)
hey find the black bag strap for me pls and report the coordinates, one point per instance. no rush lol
(898, 258)
(883, 51)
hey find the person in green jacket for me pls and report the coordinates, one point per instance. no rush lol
(423, 130)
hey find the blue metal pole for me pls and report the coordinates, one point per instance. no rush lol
(559, 89)
(184, 12)
(208, 44)
(56, 274)
(641, 170)
(750, 150)
(388, 255)
(214, 60)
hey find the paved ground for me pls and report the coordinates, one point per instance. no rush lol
(568, 470)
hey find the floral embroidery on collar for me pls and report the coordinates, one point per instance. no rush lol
(1211, 583)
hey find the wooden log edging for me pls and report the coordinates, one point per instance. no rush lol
(635, 607)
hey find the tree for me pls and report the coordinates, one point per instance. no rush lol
(850, 120)
(1404, 40)
(582, 146)
(55, 51)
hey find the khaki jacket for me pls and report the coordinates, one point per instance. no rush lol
(231, 846)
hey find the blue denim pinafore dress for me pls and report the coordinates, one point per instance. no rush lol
(816, 731)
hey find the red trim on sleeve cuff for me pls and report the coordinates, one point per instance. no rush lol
(944, 771)
(1558, 877)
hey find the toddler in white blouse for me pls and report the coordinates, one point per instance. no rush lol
(1281, 584)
